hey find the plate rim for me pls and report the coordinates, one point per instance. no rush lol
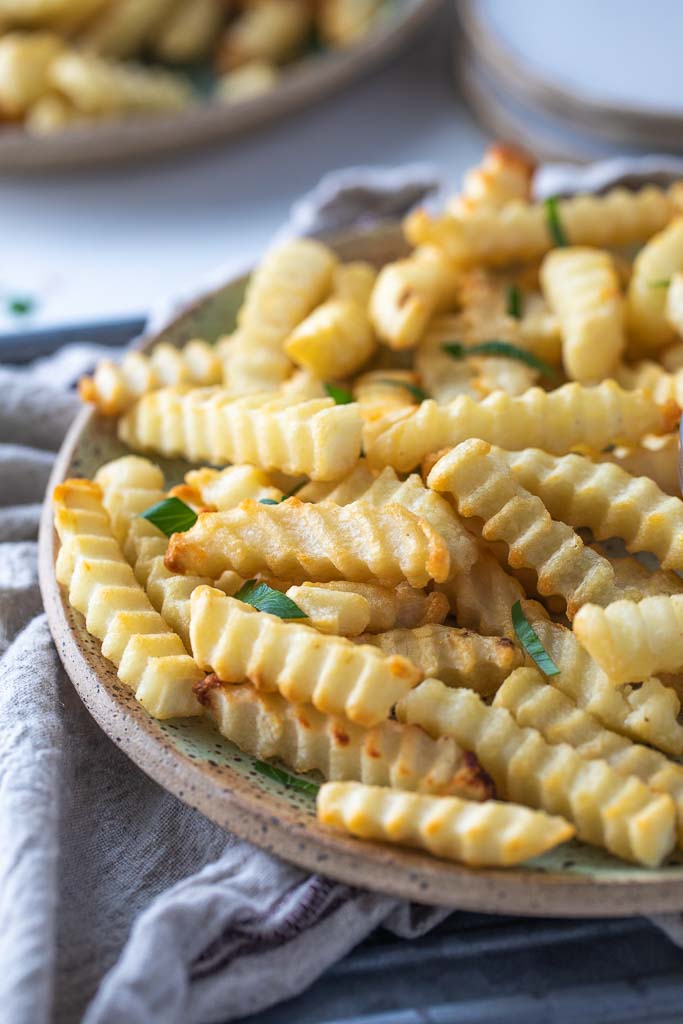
(602, 116)
(231, 801)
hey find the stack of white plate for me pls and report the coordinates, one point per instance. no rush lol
(578, 80)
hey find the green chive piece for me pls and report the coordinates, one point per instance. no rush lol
(265, 599)
(342, 396)
(555, 227)
(269, 501)
(527, 636)
(21, 305)
(170, 516)
(288, 780)
(514, 302)
(500, 348)
(418, 394)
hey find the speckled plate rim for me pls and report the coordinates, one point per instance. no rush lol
(249, 809)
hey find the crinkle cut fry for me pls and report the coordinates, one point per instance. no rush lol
(632, 641)
(534, 703)
(570, 418)
(388, 489)
(335, 675)
(482, 599)
(479, 834)
(646, 714)
(317, 437)
(483, 486)
(503, 174)
(114, 387)
(316, 543)
(266, 726)
(582, 287)
(131, 485)
(148, 655)
(519, 231)
(610, 810)
(658, 261)
(289, 282)
(656, 457)
(458, 657)
(606, 499)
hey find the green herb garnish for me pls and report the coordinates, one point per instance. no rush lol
(269, 501)
(265, 599)
(555, 228)
(342, 396)
(418, 394)
(457, 350)
(662, 282)
(514, 302)
(21, 305)
(527, 636)
(286, 778)
(170, 516)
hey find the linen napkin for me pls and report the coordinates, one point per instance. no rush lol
(118, 903)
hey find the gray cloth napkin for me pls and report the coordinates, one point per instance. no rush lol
(118, 903)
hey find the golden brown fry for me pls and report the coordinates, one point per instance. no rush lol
(519, 231)
(483, 486)
(632, 641)
(570, 418)
(606, 499)
(488, 834)
(458, 657)
(338, 677)
(620, 813)
(272, 30)
(582, 287)
(298, 542)
(534, 703)
(504, 173)
(265, 725)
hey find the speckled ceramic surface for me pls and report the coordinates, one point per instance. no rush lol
(191, 760)
(308, 81)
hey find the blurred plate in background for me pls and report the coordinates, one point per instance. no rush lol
(584, 79)
(309, 79)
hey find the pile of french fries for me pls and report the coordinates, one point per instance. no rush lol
(394, 563)
(65, 62)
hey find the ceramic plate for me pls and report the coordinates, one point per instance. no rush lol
(191, 760)
(308, 80)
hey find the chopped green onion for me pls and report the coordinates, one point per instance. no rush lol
(555, 228)
(514, 302)
(269, 501)
(170, 516)
(265, 599)
(457, 350)
(286, 778)
(527, 636)
(662, 282)
(21, 305)
(342, 396)
(418, 394)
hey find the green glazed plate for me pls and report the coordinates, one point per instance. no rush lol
(191, 760)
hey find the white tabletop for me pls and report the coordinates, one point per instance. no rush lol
(107, 243)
